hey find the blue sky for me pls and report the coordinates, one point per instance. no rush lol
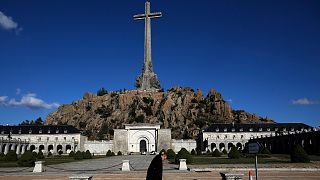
(263, 56)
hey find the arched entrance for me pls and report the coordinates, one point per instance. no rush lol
(143, 145)
(50, 148)
(41, 147)
(32, 147)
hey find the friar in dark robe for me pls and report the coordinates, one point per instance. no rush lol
(155, 167)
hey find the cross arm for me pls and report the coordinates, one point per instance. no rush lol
(151, 15)
(139, 16)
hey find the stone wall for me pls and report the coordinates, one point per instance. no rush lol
(120, 142)
(164, 139)
(189, 144)
(99, 147)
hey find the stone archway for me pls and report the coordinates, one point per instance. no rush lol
(143, 145)
(213, 146)
(3, 148)
(32, 147)
(69, 148)
(59, 148)
(41, 147)
(50, 148)
(239, 146)
(230, 145)
(221, 147)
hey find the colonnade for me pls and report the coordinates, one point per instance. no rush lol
(283, 144)
(224, 146)
(21, 146)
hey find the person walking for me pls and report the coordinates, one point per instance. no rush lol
(155, 167)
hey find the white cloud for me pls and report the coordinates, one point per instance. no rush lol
(18, 91)
(3, 99)
(304, 101)
(7, 23)
(31, 101)
(229, 100)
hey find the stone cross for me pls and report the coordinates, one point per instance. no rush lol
(148, 79)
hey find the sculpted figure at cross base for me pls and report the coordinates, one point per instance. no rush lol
(148, 79)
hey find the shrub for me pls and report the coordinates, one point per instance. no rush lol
(60, 152)
(27, 159)
(234, 153)
(119, 153)
(49, 154)
(113, 154)
(265, 151)
(193, 152)
(199, 152)
(171, 154)
(40, 155)
(109, 153)
(208, 152)
(298, 155)
(225, 151)
(2, 157)
(216, 153)
(162, 150)
(71, 154)
(184, 154)
(11, 156)
(78, 155)
(87, 155)
(34, 154)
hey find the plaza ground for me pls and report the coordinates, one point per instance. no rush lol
(110, 168)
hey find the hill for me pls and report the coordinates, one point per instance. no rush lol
(181, 109)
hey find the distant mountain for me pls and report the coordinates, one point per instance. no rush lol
(181, 109)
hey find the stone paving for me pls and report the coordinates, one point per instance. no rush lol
(94, 166)
(110, 168)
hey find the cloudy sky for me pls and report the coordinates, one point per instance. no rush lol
(263, 56)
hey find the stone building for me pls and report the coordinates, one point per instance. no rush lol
(37, 138)
(137, 138)
(134, 138)
(224, 136)
(141, 137)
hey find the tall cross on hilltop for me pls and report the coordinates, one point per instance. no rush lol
(148, 79)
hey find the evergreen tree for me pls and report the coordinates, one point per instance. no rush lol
(27, 159)
(87, 155)
(184, 154)
(216, 153)
(298, 155)
(11, 156)
(109, 153)
(234, 153)
(171, 154)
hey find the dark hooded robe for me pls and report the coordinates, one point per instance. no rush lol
(155, 169)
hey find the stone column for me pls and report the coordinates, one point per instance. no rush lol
(46, 148)
(23, 149)
(6, 149)
(64, 147)
(18, 149)
(55, 151)
(13, 147)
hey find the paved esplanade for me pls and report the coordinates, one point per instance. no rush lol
(139, 163)
(148, 79)
(109, 168)
(114, 163)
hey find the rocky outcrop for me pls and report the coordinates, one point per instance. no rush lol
(181, 109)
